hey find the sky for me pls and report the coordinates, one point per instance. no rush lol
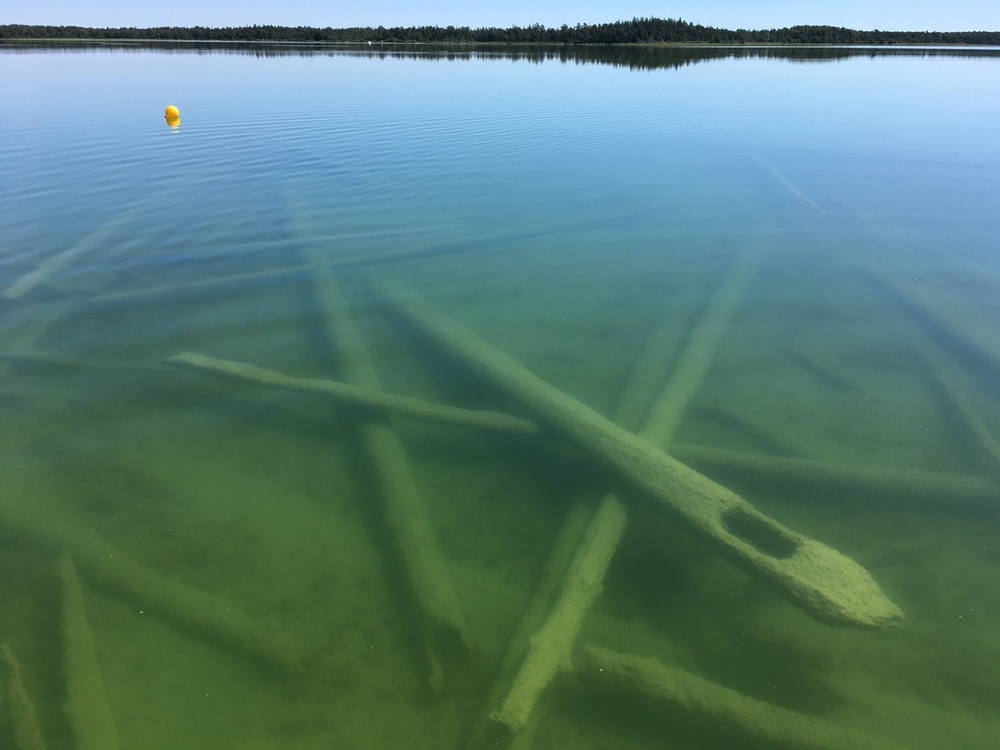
(887, 15)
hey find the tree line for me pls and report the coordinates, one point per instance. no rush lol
(636, 31)
(632, 56)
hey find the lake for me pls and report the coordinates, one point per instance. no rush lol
(404, 397)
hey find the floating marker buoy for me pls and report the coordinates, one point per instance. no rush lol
(173, 116)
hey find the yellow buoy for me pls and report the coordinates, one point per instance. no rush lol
(173, 117)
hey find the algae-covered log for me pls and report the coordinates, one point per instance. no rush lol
(162, 596)
(947, 375)
(828, 585)
(406, 515)
(911, 487)
(765, 723)
(361, 397)
(87, 706)
(551, 646)
(937, 314)
(665, 414)
(188, 286)
(487, 732)
(942, 367)
(55, 263)
(21, 711)
(265, 274)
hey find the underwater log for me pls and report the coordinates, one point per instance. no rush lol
(276, 272)
(821, 581)
(940, 365)
(87, 705)
(360, 396)
(24, 722)
(162, 596)
(946, 374)
(55, 263)
(485, 730)
(689, 372)
(551, 646)
(975, 334)
(721, 706)
(912, 487)
(764, 431)
(405, 513)
(152, 291)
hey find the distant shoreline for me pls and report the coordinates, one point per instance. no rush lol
(641, 31)
(474, 45)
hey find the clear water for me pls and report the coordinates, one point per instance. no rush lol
(579, 214)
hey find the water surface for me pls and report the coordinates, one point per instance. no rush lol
(579, 212)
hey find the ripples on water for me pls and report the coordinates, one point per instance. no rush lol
(580, 213)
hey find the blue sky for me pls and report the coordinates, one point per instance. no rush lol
(911, 15)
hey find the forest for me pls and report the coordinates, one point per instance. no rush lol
(636, 31)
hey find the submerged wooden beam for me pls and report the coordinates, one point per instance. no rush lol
(21, 711)
(766, 723)
(55, 263)
(946, 373)
(941, 365)
(552, 644)
(248, 276)
(405, 513)
(824, 583)
(185, 286)
(161, 596)
(975, 334)
(487, 732)
(361, 397)
(913, 488)
(689, 372)
(87, 706)
(765, 431)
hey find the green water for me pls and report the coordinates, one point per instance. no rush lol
(580, 214)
